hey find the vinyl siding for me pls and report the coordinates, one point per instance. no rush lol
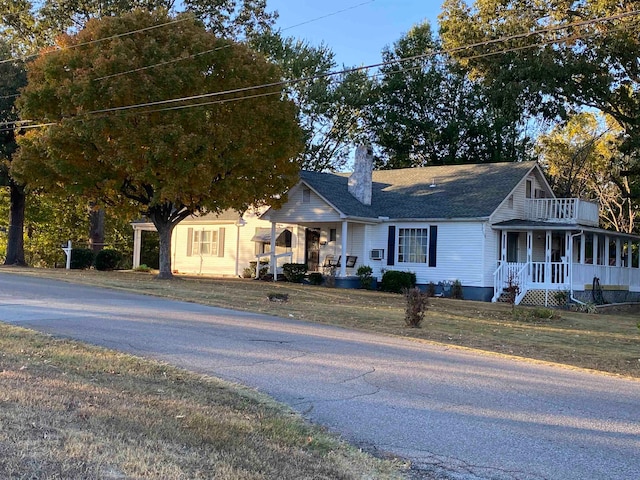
(296, 210)
(505, 212)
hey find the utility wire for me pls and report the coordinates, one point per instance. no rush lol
(367, 67)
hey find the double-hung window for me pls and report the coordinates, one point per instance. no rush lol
(413, 244)
(205, 242)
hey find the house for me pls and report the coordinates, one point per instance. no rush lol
(488, 226)
(222, 244)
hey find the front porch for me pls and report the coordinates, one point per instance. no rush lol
(574, 261)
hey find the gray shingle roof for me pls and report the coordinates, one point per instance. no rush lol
(458, 191)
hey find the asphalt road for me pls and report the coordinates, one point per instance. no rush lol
(456, 414)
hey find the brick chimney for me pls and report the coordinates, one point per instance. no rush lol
(360, 180)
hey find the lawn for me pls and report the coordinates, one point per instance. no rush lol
(69, 410)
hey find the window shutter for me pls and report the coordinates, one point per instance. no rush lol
(189, 242)
(221, 242)
(433, 245)
(391, 245)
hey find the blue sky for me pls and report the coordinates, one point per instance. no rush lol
(357, 35)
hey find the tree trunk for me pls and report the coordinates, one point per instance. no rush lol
(164, 234)
(15, 241)
(96, 229)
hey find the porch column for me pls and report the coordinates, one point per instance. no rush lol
(529, 246)
(567, 254)
(343, 241)
(629, 256)
(137, 246)
(548, 244)
(272, 257)
(583, 251)
(605, 260)
(618, 252)
(596, 249)
(503, 246)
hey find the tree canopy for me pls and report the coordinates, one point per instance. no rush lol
(427, 111)
(167, 142)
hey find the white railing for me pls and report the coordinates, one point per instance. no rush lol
(562, 210)
(267, 255)
(554, 274)
(510, 274)
(583, 274)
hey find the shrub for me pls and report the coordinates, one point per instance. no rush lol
(294, 272)
(431, 289)
(108, 259)
(263, 269)
(278, 297)
(417, 303)
(142, 268)
(561, 297)
(315, 278)
(456, 290)
(81, 258)
(364, 273)
(396, 281)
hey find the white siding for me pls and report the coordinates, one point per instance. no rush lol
(460, 254)
(508, 212)
(296, 210)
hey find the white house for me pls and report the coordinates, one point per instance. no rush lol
(485, 225)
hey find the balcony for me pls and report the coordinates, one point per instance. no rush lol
(562, 210)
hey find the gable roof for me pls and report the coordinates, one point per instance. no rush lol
(442, 192)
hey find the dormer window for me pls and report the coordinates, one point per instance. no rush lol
(306, 195)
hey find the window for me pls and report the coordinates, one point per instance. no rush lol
(412, 245)
(205, 242)
(510, 202)
(306, 195)
(529, 188)
(333, 234)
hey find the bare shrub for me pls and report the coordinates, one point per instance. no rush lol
(417, 303)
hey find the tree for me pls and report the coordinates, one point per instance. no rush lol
(330, 106)
(583, 159)
(562, 56)
(12, 78)
(427, 111)
(167, 161)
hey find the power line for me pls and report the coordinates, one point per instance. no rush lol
(368, 67)
(327, 15)
(97, 40)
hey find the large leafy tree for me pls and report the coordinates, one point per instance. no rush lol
(427, 111)
(12, 78)
(167, 161)
(583, 160)
(330, 106)
(551, 58)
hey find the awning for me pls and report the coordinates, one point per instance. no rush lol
(263, 235)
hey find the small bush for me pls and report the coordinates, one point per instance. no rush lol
(263, 269)
(364, 273)
(396, 281)
(108, 259)
(142, 268)
(294, 272)
(315, 278)
(561, 297)
(535, 314)
(81, 258)
(431, 289)
(456, 290)
(417, 303)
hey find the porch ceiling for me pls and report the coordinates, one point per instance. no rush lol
(525, 225)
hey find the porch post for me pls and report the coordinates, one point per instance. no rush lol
(583, 251)
(629, 250)
(529, 246)
(343, 241)
(618, 252)
(605, 260)
(503, 246)
(567, 254)
(547, 256)
(596, 249)
(272, 257)
(137, 246)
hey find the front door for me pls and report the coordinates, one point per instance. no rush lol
(512, 246)
(312, 250)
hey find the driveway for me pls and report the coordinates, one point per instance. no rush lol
(455, 413)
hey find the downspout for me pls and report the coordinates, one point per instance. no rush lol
(571, 297)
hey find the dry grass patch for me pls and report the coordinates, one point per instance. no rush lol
(606, 342)
(77, 412)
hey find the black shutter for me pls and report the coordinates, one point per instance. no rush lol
(391, 245)
(433, 245)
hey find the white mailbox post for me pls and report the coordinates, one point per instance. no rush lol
(67, 251)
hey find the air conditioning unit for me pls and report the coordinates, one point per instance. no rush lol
(377, 254)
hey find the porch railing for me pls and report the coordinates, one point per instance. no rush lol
(562, 210)
(583, 274)
(261, 256)
(510, 274)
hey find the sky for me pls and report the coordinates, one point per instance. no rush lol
(361, 29)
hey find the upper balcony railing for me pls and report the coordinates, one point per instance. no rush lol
(562, 210)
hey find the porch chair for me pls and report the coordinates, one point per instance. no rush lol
(329, 263)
